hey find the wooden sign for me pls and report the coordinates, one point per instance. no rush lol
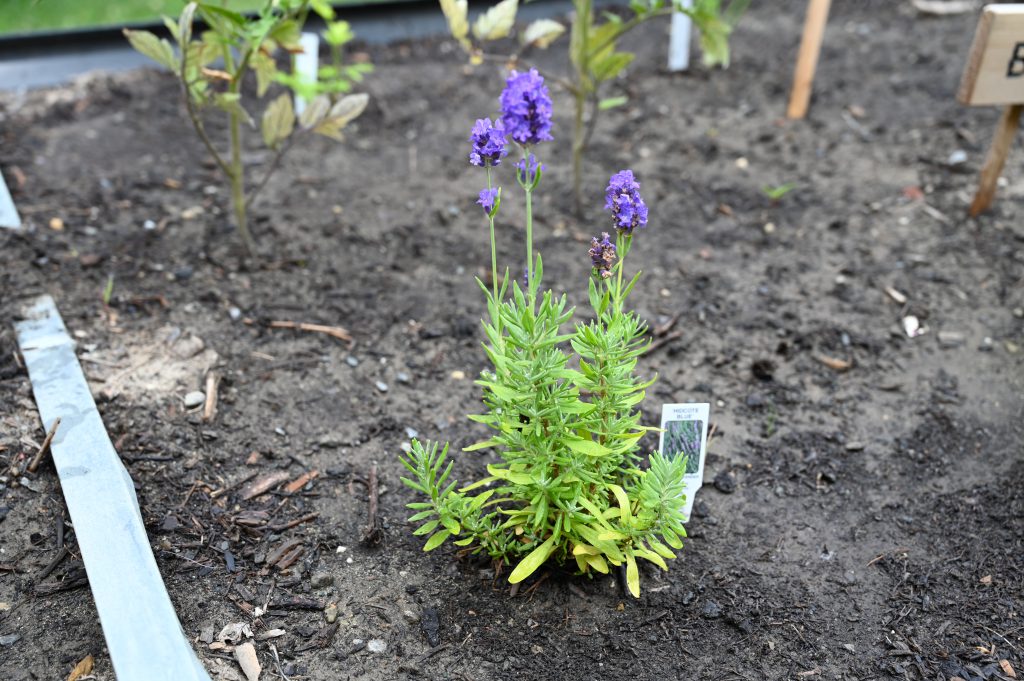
(995, 76)
(807, 60)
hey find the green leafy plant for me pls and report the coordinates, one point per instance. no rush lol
(562, 399)
(593, 50)
(213, 65)
(775, 194)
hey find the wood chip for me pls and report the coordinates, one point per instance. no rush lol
(281, 550)
(300, 482)
(248, 661)
(986, 580)
(1008, 668)
(834, 363)
(264, 484)
(895, 295)
(83, 668)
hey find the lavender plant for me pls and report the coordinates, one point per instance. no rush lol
(250, 44)
(593, 50)
(562, 397)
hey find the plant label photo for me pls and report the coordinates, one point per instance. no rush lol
(684, 432)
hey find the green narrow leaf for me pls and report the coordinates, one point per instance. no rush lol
(632, 576)
(588, 447)
(527, 566)
(612, 102)
(620, 496)
(436, 540)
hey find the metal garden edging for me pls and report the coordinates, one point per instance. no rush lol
(144, 637)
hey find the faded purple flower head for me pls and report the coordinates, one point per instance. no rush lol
(487, 199)
(526, 107)
(602, 255)
(527, 169)
(489, 145)
(623, 199)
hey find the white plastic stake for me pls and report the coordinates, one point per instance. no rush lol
(143, 635)
(679, 40)
(8, 213)
(307, 63)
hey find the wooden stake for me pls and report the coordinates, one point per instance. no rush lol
(807, 61)
(996, 158)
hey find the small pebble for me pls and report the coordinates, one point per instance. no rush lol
(149, 225)
(376, 645)
(403, 377)
(382, 386)
(725, 482)
(411, 432)
(958, 157)
(986, 344)
(410, 616)
(854, 446)
(351, 361)
(458, 375)
(711, 610)
(331, 613)
(194, 399)
(9, 639)
(234, 313)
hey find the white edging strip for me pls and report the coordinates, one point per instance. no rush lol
(679, 40)
(140, 625)
(307, 64)
(8, 213)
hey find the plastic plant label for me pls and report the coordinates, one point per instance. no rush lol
(8, 213)
(685, 433)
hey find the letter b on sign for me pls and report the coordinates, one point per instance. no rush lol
(1016, 67)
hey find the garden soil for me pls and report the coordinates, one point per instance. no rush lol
(862, 515)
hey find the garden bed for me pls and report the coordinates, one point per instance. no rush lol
(865, 523)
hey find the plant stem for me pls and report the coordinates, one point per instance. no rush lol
(494, 250)
(528, 188)
(578, 142)
(237, 174)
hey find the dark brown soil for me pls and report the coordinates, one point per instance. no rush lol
(877, 525)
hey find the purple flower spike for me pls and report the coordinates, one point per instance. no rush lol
(602, 255)
(489, 145)
(526, 108)
(623, 199)
(527, 168)
(487, 199)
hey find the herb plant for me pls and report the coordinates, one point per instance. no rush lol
(593, 50)
(238, 45)
(562, 397)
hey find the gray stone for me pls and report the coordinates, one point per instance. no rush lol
(951, 339)
(321, 580)
(194, 399)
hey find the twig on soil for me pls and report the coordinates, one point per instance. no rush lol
(664, 340)
(45, 447)
(210, 407)
(62, 553)
(336, 331)
(289, 525)
(371, 535)
(277, 661)
(227, 488)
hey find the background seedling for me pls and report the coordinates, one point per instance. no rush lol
(212, 67)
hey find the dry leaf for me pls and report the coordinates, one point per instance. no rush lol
(248, 661)
(83, 668)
